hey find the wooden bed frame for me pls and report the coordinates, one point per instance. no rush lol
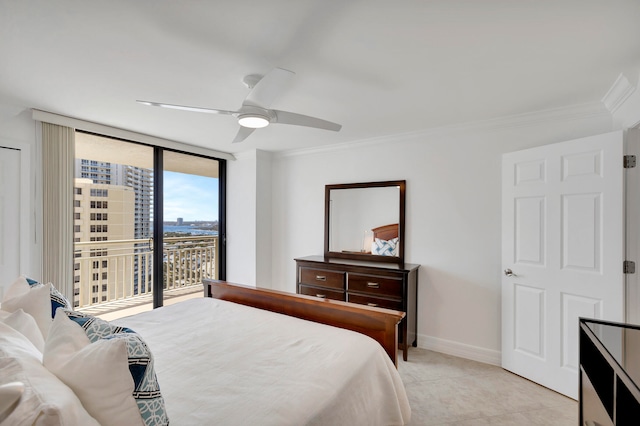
(386, 232)
(377, 323)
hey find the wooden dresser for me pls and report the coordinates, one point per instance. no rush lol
(384, 285)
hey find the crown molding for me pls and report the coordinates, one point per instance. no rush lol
(568, 113)
(253, 153)
(618, 93)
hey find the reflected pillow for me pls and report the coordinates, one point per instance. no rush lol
(385, 247)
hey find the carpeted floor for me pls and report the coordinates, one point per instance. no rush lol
(446, 390)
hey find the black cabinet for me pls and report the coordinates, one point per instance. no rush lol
(609, 373)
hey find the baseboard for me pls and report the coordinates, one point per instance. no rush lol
(461, 350)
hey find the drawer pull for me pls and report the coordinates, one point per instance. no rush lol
(372, 304)
(321, 296)
(373, 285)
(321, 278)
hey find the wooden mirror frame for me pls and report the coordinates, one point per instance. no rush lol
(401, 184)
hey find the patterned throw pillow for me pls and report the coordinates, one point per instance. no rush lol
(146, 389)
(385, 247)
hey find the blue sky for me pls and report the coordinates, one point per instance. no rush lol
(190, 197)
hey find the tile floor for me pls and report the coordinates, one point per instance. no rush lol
(446, 390)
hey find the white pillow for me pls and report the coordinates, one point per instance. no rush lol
(14, 344)
(36, 302)
(18, 287)
(10, 395)
(25, 324)
(46, 400)
(97, 372)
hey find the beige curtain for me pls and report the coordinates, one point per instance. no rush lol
(58, 157)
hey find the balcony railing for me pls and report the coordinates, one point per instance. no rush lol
(108, 271)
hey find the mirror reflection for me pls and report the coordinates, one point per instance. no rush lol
(365, 220)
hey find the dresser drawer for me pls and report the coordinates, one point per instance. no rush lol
(375, 301)
(380, 284)
(322, 293)
(374, 285)
(322, 278)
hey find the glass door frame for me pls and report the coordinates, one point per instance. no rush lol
(158, 218)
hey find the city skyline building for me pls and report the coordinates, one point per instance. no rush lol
(103, 218)
(138, 178)
(113, 202)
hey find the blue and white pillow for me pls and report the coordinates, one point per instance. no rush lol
(146, 389)
(385, 247)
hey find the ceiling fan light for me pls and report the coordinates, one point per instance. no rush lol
(253, 121)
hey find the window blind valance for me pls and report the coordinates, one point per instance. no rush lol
(89, 126)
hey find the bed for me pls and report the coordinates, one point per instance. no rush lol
(220, 360)
(386, 232)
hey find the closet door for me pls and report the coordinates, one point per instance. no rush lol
(14, 211)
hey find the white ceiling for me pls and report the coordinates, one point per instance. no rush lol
(377, 67)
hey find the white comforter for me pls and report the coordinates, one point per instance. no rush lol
(220, 363)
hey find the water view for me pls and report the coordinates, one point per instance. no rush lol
(190, 230)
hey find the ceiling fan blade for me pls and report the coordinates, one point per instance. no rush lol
(188, 108)
(268, 88)
(243, 133)
(285, 117)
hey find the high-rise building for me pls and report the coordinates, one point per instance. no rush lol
(138, 178)
(113, 203)
(103, 217)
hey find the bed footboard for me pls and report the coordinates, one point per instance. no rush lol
(377, 323)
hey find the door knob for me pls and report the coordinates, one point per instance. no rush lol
(509, 273)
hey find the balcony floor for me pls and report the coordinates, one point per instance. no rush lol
(123, 308)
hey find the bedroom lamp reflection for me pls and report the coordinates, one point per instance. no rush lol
(365, 221)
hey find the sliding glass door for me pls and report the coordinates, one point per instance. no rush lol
(122, 190)
(191, 223)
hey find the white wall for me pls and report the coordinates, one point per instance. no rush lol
(453, 212)
(263, 219)
(249, 219)
(241, 219)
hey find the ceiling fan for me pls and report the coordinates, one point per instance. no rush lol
(254, 112)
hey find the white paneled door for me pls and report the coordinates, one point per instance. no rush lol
(562, 253)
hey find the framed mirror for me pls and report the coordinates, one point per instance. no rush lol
(365, 221)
